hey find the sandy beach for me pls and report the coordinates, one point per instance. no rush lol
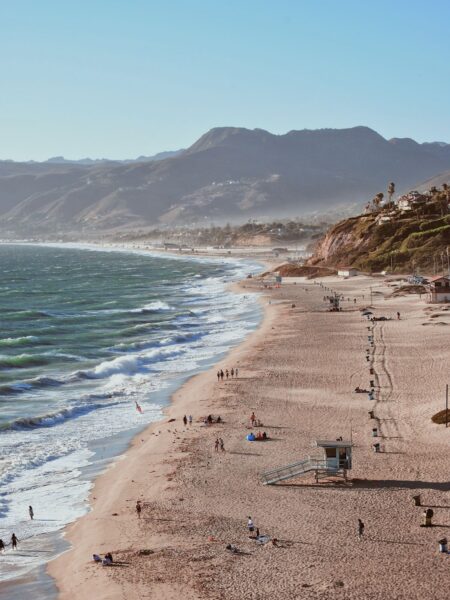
(297, 373)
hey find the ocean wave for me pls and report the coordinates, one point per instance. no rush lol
(19, 341)
(28, 314)
(148, 344)
(157, 306)
(53, 418)
(19, 387)
(23, 361)
(125, 365)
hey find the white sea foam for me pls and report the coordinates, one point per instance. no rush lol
(97, 403)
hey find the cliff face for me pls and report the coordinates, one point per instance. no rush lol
(388, 240)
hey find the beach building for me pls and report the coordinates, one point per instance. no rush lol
(347, 272)
(336, 461)
(438, 290)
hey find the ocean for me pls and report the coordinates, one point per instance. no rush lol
(86, 334)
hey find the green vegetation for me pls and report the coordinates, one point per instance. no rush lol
(391, 239)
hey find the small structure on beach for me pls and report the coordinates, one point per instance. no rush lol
(336, 461)
(347, 272)
(438, 290)
(338, 453)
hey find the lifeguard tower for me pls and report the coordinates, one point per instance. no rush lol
(336, 461)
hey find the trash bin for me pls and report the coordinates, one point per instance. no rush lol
(417, 500)
(371, 371)
(371, 414)
(376, 447)
(372, 383)
(375, 432)
(443, 545)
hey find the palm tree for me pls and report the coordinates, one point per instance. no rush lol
(377, 200)
(391, 191)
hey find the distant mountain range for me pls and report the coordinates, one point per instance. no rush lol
(229, 174)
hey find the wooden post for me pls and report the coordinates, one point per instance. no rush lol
(446, 405)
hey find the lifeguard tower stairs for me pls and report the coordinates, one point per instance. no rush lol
(336, 462)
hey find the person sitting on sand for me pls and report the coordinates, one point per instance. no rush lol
(209, 419)
(96, 558)
(259, 436)
(108, 556)
(265, 436)
(219, 420)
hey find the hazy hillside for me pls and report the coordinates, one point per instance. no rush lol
(229, 174)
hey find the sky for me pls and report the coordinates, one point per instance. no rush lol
(123, 78)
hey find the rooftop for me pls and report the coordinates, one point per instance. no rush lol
(333, 444)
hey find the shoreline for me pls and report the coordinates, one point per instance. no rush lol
(38, 574)
(297, 373)
(151, 440)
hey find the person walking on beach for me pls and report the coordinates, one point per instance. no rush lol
(138, 508)
(2, 546)
(232, 372)
(236, 372)
(216, 445)
(31, 512)
(398, 316)
(250, 525)
(218, 375)
(253, 419)
(190, 419)
(222, 446)
(14, 541)
(360, 529)
(227, 373)
(221, 374)
(185, 420)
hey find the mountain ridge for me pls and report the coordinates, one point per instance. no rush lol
(228, 174)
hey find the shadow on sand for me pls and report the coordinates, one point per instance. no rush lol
(370, 484)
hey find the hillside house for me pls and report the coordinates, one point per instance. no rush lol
(347, 272)
(438, 290)
(407, 201)
(383, 219)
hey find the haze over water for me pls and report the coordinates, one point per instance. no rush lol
(84, 335)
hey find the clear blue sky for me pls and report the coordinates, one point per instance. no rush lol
(119, 78)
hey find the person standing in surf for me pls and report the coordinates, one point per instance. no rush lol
(31, 512)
